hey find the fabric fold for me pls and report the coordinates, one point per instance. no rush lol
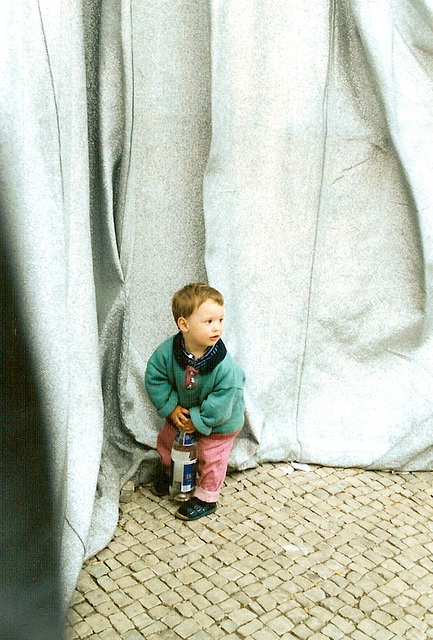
(282, 153)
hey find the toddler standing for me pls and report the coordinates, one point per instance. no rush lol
(196, 386)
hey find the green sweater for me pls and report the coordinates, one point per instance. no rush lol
(216, 404)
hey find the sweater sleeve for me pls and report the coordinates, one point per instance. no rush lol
(162, 394)
(218, 407)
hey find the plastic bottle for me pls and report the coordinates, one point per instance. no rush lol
(182, 468)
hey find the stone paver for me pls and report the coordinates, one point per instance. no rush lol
(320, 554)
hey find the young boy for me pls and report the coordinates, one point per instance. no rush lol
(196, 386)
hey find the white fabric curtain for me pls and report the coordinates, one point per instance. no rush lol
(280, 149)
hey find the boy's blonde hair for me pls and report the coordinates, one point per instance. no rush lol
(189, 298)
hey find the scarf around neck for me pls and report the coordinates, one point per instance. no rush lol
(207, 363)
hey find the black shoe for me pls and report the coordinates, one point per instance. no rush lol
(195, 509)
(161, 483)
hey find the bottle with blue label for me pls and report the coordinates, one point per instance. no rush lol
(183, 465)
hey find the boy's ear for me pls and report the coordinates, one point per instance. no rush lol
(182, 324)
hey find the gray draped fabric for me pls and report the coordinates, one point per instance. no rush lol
(280, 150)
(29, 556)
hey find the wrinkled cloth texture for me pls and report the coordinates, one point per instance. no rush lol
(280, 151)
(30, 600)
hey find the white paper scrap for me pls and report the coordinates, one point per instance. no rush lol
(287, 470)
(301, 466)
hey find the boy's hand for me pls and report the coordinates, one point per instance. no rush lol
(188, 427)
(180, 417)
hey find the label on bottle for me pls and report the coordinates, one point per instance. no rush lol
(182, 471)
(187, 440)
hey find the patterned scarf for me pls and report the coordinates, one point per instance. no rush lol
(207, 363)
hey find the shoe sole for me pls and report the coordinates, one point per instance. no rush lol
(158, 494)
(155, 491)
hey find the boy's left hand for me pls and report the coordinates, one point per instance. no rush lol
(188, 426)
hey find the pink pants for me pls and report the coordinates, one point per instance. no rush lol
(213, 455)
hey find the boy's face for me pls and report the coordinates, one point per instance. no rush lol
(203, 328)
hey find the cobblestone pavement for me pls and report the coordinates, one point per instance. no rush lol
(319, 554)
